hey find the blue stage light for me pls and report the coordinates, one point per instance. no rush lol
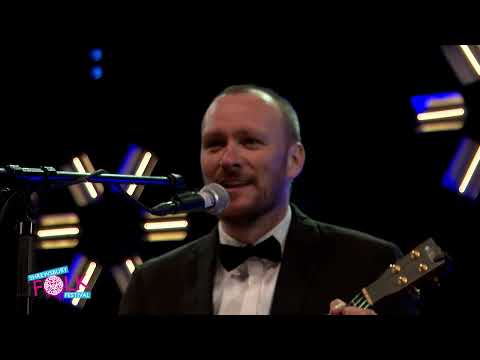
(96, 54)
(96, 72)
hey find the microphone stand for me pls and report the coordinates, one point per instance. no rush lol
(47, 174)
(25, 181)
(26, 236)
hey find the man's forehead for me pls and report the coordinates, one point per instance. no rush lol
(249, 102)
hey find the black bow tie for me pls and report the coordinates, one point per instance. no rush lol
(232, 256)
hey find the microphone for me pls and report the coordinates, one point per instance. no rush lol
(212, 198)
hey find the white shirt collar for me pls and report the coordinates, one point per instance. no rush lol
(279, 231)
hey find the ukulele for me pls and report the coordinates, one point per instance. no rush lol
(420, 262)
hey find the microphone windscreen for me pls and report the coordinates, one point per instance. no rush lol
(220, 196)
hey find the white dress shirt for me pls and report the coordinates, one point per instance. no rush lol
(248, 289)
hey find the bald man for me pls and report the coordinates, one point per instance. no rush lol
(264, 257)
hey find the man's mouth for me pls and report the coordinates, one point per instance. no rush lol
(233, 184)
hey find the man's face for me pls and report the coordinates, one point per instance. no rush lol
(244, 149)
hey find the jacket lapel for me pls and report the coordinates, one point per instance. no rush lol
(205, 255)
(301, 257)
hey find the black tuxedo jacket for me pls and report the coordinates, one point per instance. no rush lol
(321, 262)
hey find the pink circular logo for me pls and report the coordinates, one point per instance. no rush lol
(53, 285)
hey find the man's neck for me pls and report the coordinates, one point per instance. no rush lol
(249, 232)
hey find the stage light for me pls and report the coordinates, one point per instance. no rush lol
(164, 225)
(471, 58)
(470, 171)
(465, 61)
(96, 54)
(463, 175)
(88, 271)
(140, 171)
(123, 273)
(139, 162)
(443, 126)
(88, 274)
(96, 64)
(130, 266)
(440, 114)
(66, 231)
(58, 219)
(87, 192)
(96, 72)
(91, 190)
(439, 111)
(166, 236)
(58, 231)
(57, 244)
(165, 228)
(76, 301)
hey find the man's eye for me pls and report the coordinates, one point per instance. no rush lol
(252, 141)
(212, 144)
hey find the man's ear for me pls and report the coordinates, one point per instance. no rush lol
(296, 160)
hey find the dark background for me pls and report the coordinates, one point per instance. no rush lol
(366, 167)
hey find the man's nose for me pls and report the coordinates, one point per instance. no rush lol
(230, 156)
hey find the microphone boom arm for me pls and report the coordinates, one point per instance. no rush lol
(15, 173)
